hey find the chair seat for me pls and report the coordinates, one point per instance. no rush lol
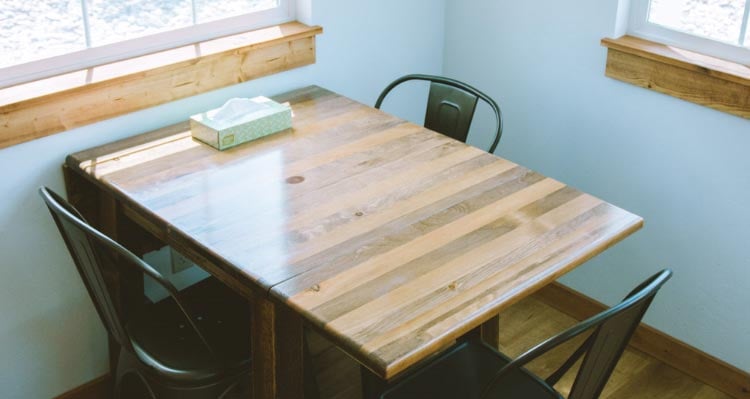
(164, 341)
(463, 371)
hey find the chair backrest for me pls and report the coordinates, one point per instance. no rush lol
(602, 350)
(92, 251)
(450, 106)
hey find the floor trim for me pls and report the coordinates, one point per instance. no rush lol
(98, 388)
(692, 361)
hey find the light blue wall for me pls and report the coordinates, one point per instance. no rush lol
(50, 337)
(683, 167)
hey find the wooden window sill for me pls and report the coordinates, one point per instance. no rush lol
(40, 108)
(709, 81)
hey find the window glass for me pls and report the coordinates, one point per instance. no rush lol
(115, 21)
(211, 10)
(43, 38)
(32, 30)
(714, 19)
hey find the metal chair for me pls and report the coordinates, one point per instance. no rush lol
(166, 350)
(472, 369)
(450, 106)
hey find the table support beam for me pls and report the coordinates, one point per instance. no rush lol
(278, 351)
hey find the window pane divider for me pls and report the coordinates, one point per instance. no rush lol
(86, 25)
(743, 29)
(195, 12)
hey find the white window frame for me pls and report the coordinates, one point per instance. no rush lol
(640, 26)
(94, 56)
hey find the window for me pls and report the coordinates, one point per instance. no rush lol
(713, 27)
(44, 38)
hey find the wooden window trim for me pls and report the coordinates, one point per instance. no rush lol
(701, 79)
(40, 108)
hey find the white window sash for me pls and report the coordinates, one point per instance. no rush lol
(48, 67)
(640, 26)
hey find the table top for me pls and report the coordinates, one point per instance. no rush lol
(390, 238)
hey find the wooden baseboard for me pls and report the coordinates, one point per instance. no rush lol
(99, 388)
(692, 361)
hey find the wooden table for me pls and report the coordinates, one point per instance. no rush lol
(390, 239)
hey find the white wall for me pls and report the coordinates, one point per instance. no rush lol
(683, 167)
(50, 337)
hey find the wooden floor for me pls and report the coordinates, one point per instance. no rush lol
(525, 324)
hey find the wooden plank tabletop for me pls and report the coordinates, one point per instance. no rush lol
(392, 239)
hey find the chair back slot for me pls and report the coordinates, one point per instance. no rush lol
(450, 111)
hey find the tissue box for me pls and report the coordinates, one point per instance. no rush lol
(240, 120)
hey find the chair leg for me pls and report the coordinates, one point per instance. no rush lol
(120, 371)
(311, 382)
(126, 368)
(118, 387)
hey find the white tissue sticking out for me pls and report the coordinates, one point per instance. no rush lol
(237, 108)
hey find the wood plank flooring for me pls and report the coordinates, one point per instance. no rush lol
(523, 325)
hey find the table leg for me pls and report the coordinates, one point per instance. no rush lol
(278, 351)
(107, 224)
(490, 332)
(125, 283)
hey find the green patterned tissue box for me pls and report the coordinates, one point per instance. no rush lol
(240, 120)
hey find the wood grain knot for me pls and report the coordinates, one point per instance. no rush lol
(295, 180)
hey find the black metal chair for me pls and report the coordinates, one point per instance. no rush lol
(450, 106)
(472, 369)
(166, 351)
